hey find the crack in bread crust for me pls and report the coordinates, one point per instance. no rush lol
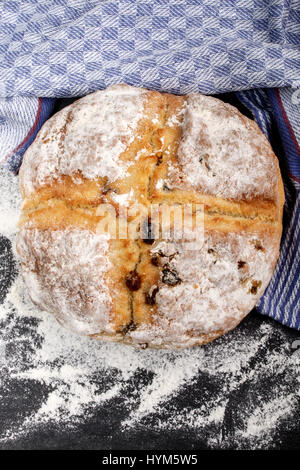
(154, 163)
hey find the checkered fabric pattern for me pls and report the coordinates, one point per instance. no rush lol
(67, 48)
(63, 48)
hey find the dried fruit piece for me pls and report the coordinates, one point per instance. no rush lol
(133, 281)
(155, 259)
(170, 277)
(106, 188)
(148, 232)
(150, 295)
(257, 245)
(241, 264)
(159, 158)
(130, 327)
(166, 187)
(255, 286)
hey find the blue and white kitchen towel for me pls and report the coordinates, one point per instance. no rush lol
(64, 48)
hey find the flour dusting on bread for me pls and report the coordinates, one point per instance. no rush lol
(133, 149)
(65, 274)
(223, 153)
(87, 137)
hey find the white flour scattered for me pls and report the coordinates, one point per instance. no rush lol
(226, 395)
(10, 203)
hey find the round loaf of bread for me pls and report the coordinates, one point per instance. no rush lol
(95, 184)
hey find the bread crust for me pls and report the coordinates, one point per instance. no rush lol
(126, 148)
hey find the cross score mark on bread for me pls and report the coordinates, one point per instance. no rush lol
(125, 146)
